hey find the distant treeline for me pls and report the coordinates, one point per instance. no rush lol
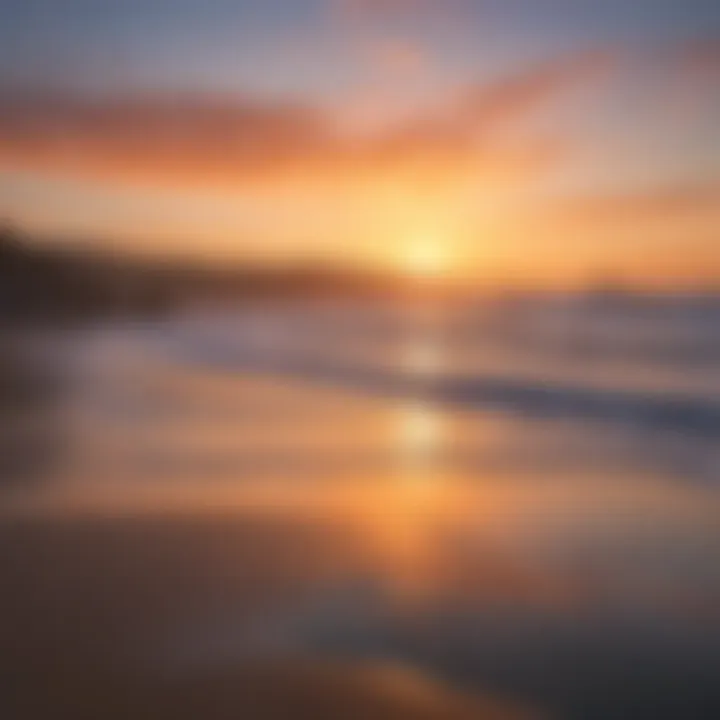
(45, 283)
(50, 282)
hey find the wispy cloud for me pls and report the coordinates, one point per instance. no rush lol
(193, 139)
(697, 200)
(701, 56)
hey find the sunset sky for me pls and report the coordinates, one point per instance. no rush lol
(509, 140)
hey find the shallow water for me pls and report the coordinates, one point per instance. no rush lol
(424, 508)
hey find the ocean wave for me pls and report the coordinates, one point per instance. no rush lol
(689, 413)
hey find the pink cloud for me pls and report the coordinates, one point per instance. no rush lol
(241, 140)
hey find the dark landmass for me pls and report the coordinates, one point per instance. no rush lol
(58, 283)
(54, 283)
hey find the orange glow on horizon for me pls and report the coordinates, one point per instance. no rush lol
(443, 194)
(425, 259)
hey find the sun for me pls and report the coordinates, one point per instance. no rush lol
(424, 259)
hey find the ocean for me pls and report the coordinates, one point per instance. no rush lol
(367, 508)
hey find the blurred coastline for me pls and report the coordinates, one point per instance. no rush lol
(289, 495)
(359, 360)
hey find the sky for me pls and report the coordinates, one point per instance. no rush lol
(548, 141)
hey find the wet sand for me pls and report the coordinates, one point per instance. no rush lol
(93, 613)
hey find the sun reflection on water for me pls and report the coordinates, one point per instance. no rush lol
(420, 432)
(422, 359)
(420, 427)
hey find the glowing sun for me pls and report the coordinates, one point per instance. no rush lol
(424, 259)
